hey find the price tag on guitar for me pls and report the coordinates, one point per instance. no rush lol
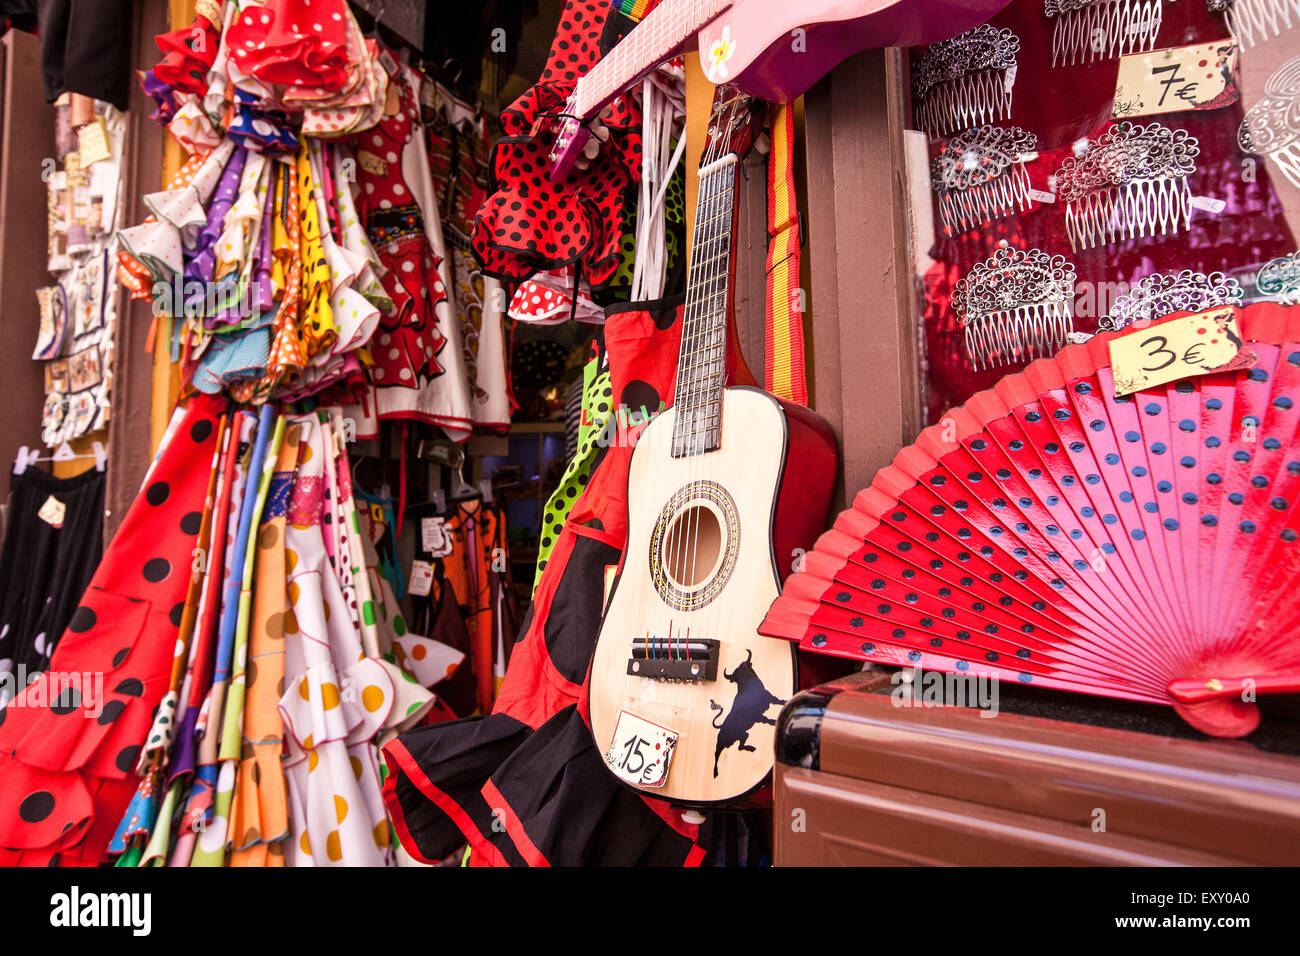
(1161, 352)
(641, 751)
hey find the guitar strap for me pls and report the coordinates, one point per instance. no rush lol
(785, 377)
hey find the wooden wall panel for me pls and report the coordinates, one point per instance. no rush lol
(26, 139)
(863, 300)
(129, 445)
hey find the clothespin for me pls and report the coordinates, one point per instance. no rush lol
(64, 453)
(485, 487)
(26, 456)
(101, 455)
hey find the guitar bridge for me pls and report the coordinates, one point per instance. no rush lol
(659, 658)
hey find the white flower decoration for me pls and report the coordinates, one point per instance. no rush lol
(721, 52)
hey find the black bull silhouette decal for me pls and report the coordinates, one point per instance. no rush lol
(749, 707)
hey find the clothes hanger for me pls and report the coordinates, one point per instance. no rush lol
(64, 452)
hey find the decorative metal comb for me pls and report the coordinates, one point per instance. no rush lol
(1015, 306)
(980, 175)
(1088, 30)
(1254, 21)
(1272, 126)
(1131, 181)
(965, 81)
(1164, 293)
(1280, 279)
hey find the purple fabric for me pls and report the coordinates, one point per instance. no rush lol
(203, 262)
(161, 94)
(264, 298)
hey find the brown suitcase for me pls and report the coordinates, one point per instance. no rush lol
(1053, 779)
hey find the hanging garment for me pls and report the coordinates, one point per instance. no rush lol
(336, 698)
(532, 223)
(460, 171)
(259, 820)
(86, 49)
(443, 401)
(438, 615)
(53, 540)
(408, 340)
(531, 764)
(68, 754)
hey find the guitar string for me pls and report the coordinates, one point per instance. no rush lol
(714, 272)
(689, 397)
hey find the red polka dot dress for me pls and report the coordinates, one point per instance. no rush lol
(69, 743)
(407, 341)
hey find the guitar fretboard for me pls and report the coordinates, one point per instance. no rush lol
(651, 42)
(702, 366)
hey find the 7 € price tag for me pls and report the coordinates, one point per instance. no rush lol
(1197, 77)
(1161, 352)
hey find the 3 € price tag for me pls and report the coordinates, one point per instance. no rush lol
(1161, 352)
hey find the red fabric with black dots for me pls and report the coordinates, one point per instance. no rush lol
(293, 42)
(531, 223)
(188, 54)
(407, 341)
(68, 745)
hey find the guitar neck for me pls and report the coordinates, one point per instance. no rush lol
(663, 32)
(701, 367)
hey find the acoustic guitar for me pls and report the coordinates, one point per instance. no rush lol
(725, 486)
(771, 49)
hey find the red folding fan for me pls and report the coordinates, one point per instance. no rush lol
(1049, 533)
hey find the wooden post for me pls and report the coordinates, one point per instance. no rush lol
(864, 305)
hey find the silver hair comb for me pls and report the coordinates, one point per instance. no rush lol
(1088, 30)
(1014, 306)
(980, 175)
(1132, 181)
(1279, 279)
(1254, 21)
(1164, 293)
(965, 81)
(1272, 126)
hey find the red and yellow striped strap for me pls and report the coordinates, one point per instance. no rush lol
(784, 368)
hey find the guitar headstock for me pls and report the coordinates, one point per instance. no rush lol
(732, 124)
(570, 137)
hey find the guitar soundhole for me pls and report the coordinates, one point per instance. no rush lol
(694, 546)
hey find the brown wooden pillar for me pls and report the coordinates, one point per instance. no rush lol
(864, 309)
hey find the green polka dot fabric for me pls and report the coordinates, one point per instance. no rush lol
(596, 407)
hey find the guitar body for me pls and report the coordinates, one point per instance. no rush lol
(751, 502)
(765, 57)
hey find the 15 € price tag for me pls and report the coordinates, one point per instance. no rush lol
(1161, 352)
(641, 751)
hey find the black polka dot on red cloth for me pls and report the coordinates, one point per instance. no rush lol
(69, 700)
(111, 712)
(201, 430)
(156, 570)
(120, 656)
(175, 614)
(36, 806)
(157, 493)
(131, 687)
(83, 619)
(125, 760)
(192, 523)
